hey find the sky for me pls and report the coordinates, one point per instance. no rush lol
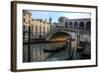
(55, 15)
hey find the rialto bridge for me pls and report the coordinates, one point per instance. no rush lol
(78, 29)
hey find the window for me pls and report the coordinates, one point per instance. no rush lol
(81, 25)
(23, 27)
(75, 25)
(88, 25)
(40, 30)
(36, 29)
(29, 21)
(66, 24)
(23, 19)
(44, 29)
(70, 24)
(29, 16)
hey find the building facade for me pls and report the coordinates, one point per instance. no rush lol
(82, 23)
(38, 27)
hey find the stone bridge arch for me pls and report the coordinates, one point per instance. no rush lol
(64, 36)
(60, 36)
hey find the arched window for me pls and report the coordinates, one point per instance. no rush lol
(88, 25)
(81, 25)
(66, 24)
(70, 24)
(75, 25)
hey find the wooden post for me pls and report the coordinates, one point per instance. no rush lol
(69, 47)
(29, 45)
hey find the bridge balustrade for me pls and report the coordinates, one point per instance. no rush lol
(61, 29)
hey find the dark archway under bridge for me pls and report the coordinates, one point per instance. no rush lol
(60, 36)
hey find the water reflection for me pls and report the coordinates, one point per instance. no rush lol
(55, 51)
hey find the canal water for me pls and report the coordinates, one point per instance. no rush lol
(55, 51)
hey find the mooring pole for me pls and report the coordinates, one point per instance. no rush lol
(29, 45)
(69, 46)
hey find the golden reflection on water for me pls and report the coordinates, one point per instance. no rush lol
(57, 44)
